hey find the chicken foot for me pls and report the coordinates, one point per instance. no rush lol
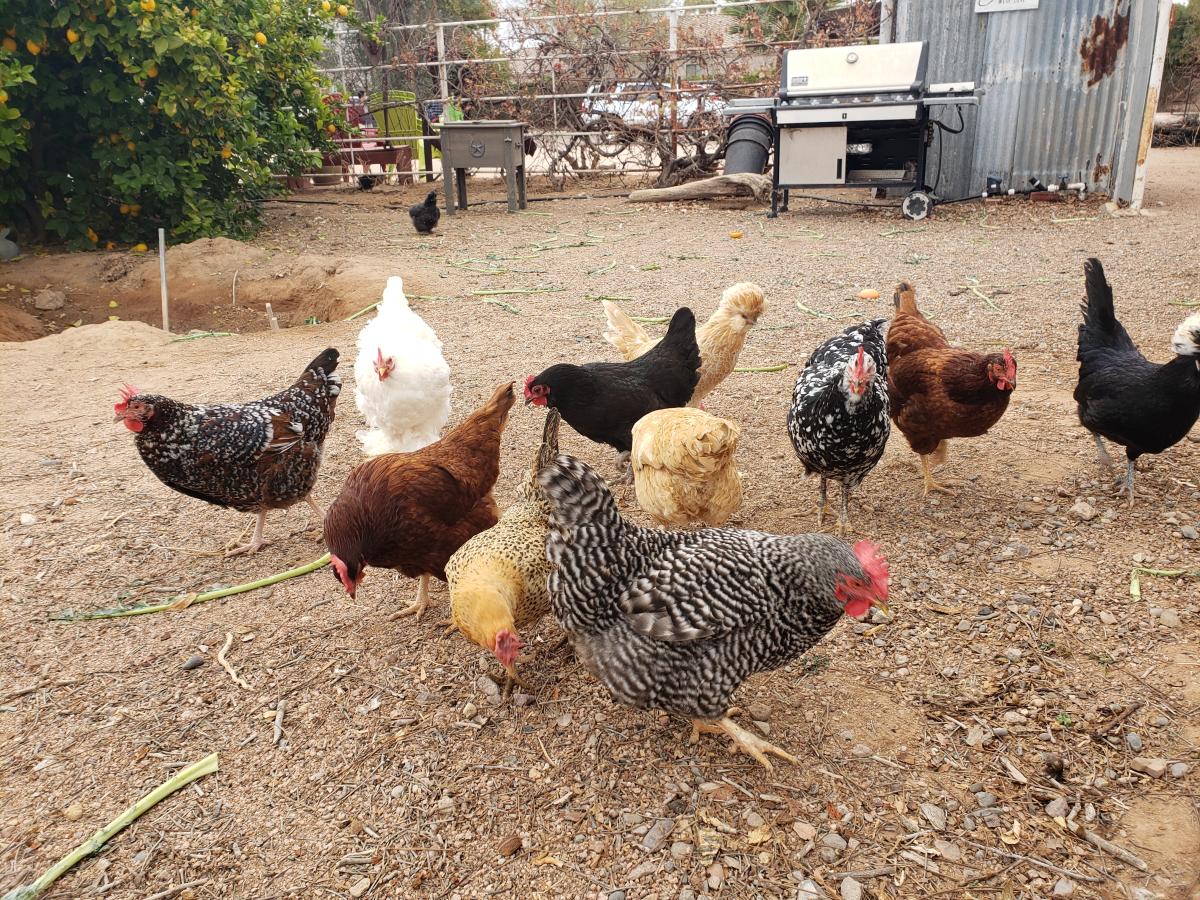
(823, 504)
(844, 512)
(256, 541)
(417, 607)
(624, 468)
(1126, 483)
(928, 463)
(743, 740)
(1103, 460)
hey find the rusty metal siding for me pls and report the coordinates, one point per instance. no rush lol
(1064, 89)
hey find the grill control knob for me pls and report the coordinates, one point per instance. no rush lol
(851, 57)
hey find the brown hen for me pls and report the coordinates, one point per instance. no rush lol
(938, 392)
(411, 511)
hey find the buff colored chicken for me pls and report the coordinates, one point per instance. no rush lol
(498, 578)
(720, 338)
(683, 467)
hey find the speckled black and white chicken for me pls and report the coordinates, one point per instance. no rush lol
(676, 620)
(838, 420)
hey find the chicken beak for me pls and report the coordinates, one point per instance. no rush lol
(882, 605)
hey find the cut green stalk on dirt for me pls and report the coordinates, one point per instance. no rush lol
(611, 265)
(186, 600)
(202, 334)
(611, 297)
(651, 320)
(502, 293)
(507, 307)
(363, 311)
(812, 312)
(753, 369)
(92, 845)
(1135, 580)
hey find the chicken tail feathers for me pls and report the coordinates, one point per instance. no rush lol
(622, 332)
(680, 340)
(905, 298)
(549, 447)
(1100, 327)
(321, 372)
(581, 505)
(1186, 341)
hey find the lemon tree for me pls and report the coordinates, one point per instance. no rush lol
(118, 117)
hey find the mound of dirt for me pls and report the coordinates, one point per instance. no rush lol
(214, 283)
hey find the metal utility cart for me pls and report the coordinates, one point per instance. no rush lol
(855, 117)
(486, 144)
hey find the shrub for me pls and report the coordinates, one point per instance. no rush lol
(118, 117)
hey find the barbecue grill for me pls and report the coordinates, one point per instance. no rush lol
(851, 117)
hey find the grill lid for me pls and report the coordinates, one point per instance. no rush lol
(861, 69)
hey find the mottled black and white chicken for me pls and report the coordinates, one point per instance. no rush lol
(676, 620)
(252, 457)
(839, 421)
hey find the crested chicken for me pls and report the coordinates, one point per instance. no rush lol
(720, 339)
(684, 469)
(937, 392)
(602, 401)
(838, 421)
(411, 511)
(425, 215)
(1122, 396)
(401, 380)
(677, 620)
(253, 457)
(497, 579)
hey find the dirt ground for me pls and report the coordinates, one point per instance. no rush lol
(923, 742)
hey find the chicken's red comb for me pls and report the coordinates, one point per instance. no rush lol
(860, 363)
(875, 564)
(128, 392)
(1010, 365)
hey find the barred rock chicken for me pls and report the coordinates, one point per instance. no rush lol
(252, 457)
(937, 392)
(425, 215)
(1124, 397)
(412, 511)
(602, 401)
(838, 420)
(720, 339)
(676, 620)
(497, 579)
(402, 382)
(684, 469)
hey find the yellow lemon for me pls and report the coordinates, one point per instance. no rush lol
(9, 44)
(114, 318)
(124, 209)
(92, 236)
(110, 246)
(735, 234)
(72, 35)
(868, 294)
(226, 152)
(148, 5)
(112, 304)
(326, 5)
(343, 10)
(152, 71)
(139, 248)
(260, 38)
(33, 47)
(3, 96)
(130, 146)
(135, 209)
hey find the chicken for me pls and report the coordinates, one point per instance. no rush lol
(838, 420)
(602, 401)
(676, 620)
(938, 392)
(425, 215)
(252, 457)
(720, 339)
(683, 467)
(1140, 405)
(497, 579)
(368, 182)
(402, 382)
(411, 511)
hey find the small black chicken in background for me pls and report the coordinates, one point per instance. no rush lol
(367, 182)
(425, 215)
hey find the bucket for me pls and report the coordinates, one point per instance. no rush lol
(750, 138)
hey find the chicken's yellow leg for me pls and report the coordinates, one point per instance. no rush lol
(256, 542)
(417, 607)
(930, 484)
(743, 740)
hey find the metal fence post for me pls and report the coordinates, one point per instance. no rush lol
(162, 278)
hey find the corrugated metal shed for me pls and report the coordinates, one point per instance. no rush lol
(1065, 89)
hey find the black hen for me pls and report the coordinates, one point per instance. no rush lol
(367, 182)
(602, 401)
(1124, 397)
(425, 215)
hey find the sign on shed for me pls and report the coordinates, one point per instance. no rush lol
(991, 6)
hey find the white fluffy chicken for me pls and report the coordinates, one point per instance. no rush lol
(402, 382)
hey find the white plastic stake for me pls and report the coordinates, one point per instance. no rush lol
(271, 319)
(162, 278)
